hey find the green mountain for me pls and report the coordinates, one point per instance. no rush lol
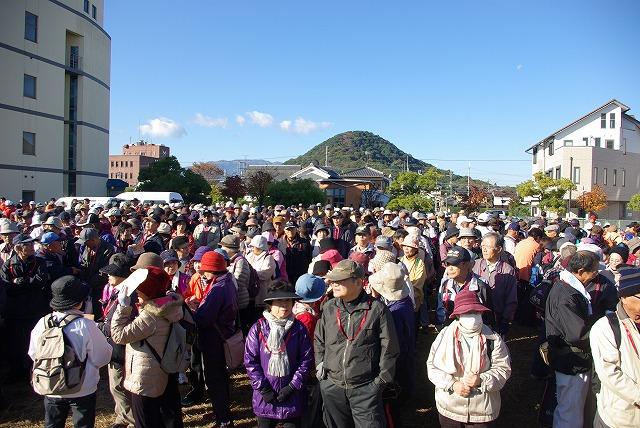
(355, 149)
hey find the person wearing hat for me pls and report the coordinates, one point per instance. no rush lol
(26, 285)
(614, 341)
(459, 277)
(568, 318)
(89, 344)
(241, 271)
(356, 348)
(181, 229)
(171, 265)
(56, 225)
(363, 242)
(343, 232)
(415, 268)
(279, 360)
(94, 255)
(320, 232)
(469, 364)
(389, 284)
(297, 252)
(311, 288)
(152, 240)
(117, 271)
(208, 232)
(51, 253)
(511, 237)
(449, 239)
(264, 264)
(182, 246)
(8, 229)
(215, 320)
(155, 399)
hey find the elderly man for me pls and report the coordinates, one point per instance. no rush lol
(511, 237)
(356, 348)
(342, 232)
(502, 279)
(568, 319)
(94, 255)
(208, 231)
(614, 340)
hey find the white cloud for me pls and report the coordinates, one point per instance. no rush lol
(210, 122)
(162, 127)
(263, 120)
(240, 120)
(303, 126)
(519, 67)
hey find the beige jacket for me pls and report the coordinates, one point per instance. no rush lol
(483, 405)
(143, 374)
(618, 371)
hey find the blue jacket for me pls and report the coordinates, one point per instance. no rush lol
(256, 361)
(404, 322)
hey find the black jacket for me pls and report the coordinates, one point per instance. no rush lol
(298, 257)
(370, 355)
(27, 287)
(567, 325)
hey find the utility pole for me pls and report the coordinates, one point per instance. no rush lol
(326, 155)
(469, 179)
(407, 163)
(572, 180)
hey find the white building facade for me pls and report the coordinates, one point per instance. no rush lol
(54, 98)
(600, 148)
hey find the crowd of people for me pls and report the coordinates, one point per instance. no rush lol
(321, 306)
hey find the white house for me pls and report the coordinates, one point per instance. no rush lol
(602, 147)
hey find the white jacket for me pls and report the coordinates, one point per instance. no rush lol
(87, 341)
(618, 371)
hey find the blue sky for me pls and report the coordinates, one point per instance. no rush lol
(444, 81)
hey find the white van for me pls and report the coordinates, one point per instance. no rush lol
(151, 197)
(93, 200)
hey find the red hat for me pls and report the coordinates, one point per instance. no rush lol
(156, 283)
(332, 256)
(213, 262)
(467, 301)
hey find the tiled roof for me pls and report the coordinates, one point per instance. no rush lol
(365, 172)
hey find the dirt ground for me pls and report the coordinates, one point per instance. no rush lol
(520, 397)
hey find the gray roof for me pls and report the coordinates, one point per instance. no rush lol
(279, 172)
(365, 172)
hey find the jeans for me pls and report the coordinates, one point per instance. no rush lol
(572, 393)
(83, 411)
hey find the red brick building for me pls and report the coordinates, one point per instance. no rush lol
(135, 157)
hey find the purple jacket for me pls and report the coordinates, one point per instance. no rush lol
(256, 361)
(504, 288)
(219, 308)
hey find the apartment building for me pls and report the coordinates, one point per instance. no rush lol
(134, 158)
(54, 98)
(600, 148)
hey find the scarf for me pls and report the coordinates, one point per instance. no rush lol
(570, 279)
(279, 360)
(460, 352)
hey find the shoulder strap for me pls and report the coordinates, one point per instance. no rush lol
(615, 326)
(489, 349)
(151, 348)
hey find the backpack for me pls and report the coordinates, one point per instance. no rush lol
(57, 370)
(174, 358)
(253, 286)
(539, 294)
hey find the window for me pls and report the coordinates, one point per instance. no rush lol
(94, 11)
(612, 120)
(604, 176)
(116, 164)
(86, 6)
(597, 142)
(111, 164)
(28, 143)
(29, 86)
(549, 173)
(615, 177)
(623, 178)
(603, 120)
(609, 144)
(28, 195)
(568, 143)
(535, 155)
(586, 141)
(31, 27)
(576, 174)
(558, 173)
(551, 148)
(595, 175)
(336, 196)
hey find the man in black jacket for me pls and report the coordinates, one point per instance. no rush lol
(356, 348)
(343, 232)
(568, 319)
(298, 252)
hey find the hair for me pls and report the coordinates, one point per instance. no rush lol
(585, 260)
(536, 233)
(597, 230)
(568, 251)
(400, 234)
(497, 238)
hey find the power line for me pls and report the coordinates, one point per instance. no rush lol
(477, 160)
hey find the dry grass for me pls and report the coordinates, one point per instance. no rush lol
(520, 398)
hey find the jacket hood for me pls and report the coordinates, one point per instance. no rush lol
(169, 307)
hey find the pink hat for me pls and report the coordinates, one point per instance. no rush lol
(332, 256)
(467, 301)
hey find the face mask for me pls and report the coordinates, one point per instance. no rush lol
(470, 322)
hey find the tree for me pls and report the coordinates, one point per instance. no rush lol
(413, 202)
(166, 175)
(257, 184)
(476, 198)
(288, 192)
(634, 203)
(216, 193)
(409, 183)
(595, 200)
(209, 170)
(233, 187)
(548, 191)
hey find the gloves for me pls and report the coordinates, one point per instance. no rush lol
(123, 299)
(268, 395)
(285, 393)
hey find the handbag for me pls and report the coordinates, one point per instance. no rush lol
(233, 349)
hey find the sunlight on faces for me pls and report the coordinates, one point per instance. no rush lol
(409, 251)
(631, 305)
(280, 308)
(290, 232)
(466, 242)
(615, 260)
(321, 234)
(114, 280)
(458, 272)
(362, 240)
(171, 267)
(346, 289)
(25, 250)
